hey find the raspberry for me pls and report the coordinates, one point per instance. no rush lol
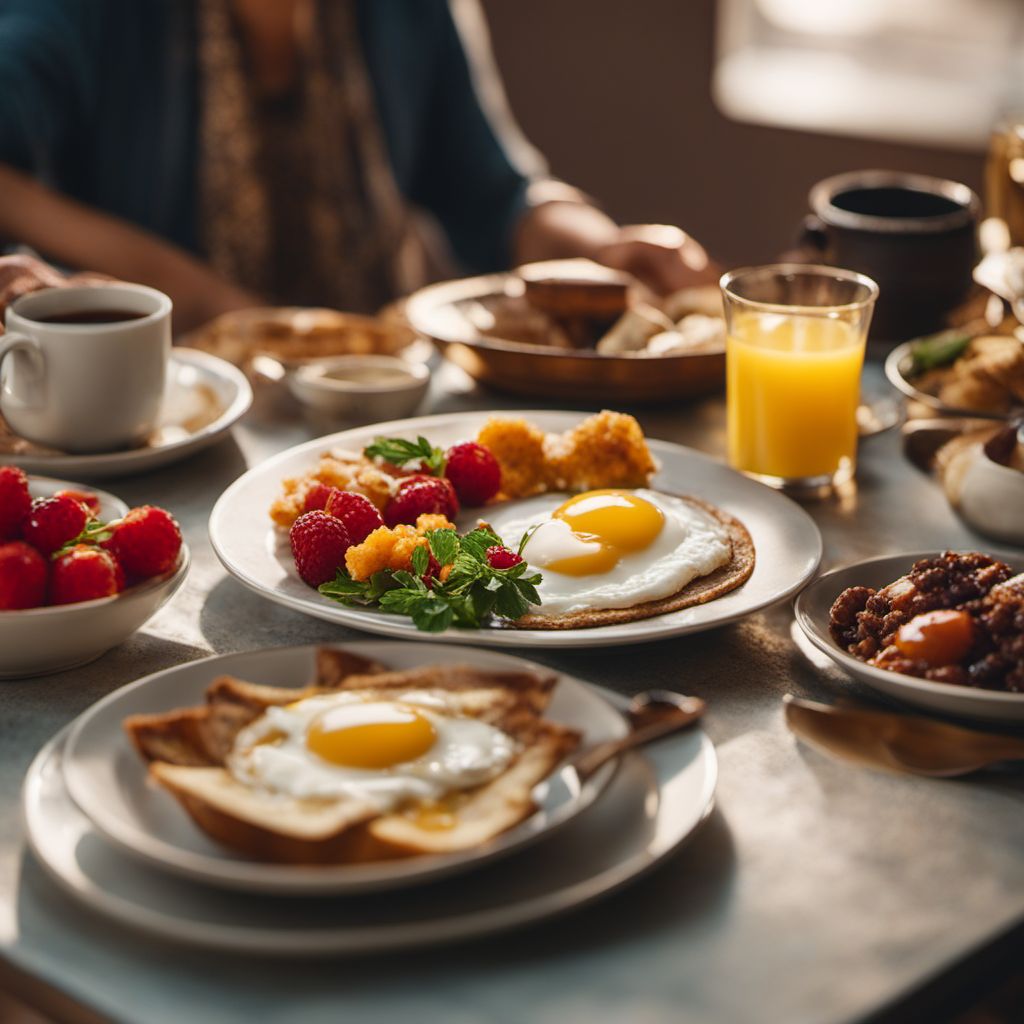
(22, 576)
(316, 497)
(52, 522)
(87, 498)
(85, 573)
(500, 557)
(319, 543)
(474, 472)
(145, 543)
(358, 513)
(14, 501)
(421, 495)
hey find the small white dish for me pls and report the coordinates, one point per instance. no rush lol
(39, 641)
(812, 615)
(989, 495)
(786, 539)
(187, 371)
(653, 803)
(361, 388)
(108, 780)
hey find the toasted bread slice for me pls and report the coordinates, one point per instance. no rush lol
(728, 577)
(187, 750)
(474, 818)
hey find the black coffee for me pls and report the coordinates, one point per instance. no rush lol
(894, 202)
(90, 316)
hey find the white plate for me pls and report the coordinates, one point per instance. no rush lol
(38, 641)
(187, 369)
(812, 614)
(786, 539)
(107, 778)
(650, 806)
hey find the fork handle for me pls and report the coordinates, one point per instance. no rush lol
(596, 757)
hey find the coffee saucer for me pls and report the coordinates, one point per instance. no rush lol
(205, 397)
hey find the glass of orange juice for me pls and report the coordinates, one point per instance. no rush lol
(794, 353)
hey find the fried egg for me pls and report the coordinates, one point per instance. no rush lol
(384, 752)
(613, 548)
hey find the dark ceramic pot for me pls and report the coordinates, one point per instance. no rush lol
(914, 235)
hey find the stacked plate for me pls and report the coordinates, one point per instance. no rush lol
(128, 851)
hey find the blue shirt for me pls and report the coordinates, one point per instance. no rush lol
(98, 99)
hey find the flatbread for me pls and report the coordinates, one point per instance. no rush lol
(728, 577)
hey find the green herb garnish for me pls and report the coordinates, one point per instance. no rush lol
(400, 452)
(937, 350)
(473, 592)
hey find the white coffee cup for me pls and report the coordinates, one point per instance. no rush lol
(85, 386)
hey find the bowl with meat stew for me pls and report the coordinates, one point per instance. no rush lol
(940, 630)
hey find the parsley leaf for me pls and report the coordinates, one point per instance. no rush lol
(400, 452)
(433, 616)
(477, 541)
(473, 592)
(444, 545)
(420, 560)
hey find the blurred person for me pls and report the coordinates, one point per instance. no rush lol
(242, 152)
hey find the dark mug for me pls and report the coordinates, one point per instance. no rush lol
(915, 236)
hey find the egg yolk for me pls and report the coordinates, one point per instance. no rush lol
(370, 735)
(617, 523)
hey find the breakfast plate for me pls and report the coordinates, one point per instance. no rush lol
(108, 780)
(650, 806)
(812, 609)
(205, 397)
(40, 641)
(785, 538)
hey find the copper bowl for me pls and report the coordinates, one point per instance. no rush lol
(439, 312)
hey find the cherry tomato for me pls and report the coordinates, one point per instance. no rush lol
(938, 638)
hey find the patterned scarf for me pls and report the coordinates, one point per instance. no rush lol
(315, 182)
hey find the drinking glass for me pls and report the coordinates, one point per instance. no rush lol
(794, 352)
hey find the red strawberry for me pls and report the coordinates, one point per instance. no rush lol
(319, 543)
(145, 543)
(316, 497)
(22, 576)
(358, 513)
(52, 522)
(500, 557)
(15, 501)
(474, 472)
(87, 498)
(420, 495)
(85, 573)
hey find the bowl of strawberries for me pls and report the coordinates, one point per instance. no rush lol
(79, 571)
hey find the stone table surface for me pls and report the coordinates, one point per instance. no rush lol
(816, 892)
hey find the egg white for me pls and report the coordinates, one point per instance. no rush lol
(466, 753)
(691, 544)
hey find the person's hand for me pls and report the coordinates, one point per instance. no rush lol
(20, 275)
(663, 257)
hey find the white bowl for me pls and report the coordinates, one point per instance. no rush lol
(37, 641)
(812, 614)
(361, 388)
(990, 497)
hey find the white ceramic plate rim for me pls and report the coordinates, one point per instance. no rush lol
(372, 939)
(824, 642)
(138, 458)
(238, 873)
(658, 627)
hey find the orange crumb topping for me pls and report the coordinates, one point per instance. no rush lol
(391, 548)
